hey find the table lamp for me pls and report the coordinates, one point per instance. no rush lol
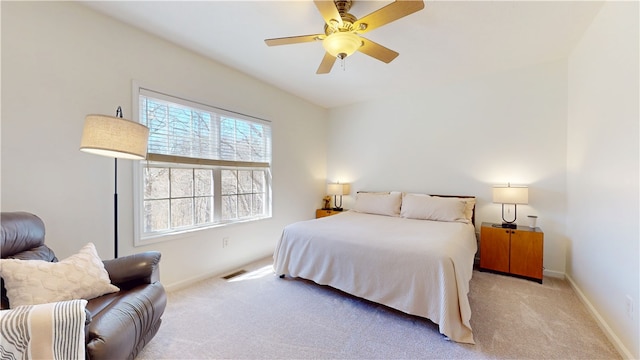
(336, 190)
(512, 195)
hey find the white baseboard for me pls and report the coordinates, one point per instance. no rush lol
(188, 282)
(624, 352)
(553, 274)
(219, 273)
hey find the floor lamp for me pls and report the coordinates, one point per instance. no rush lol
(117, 138)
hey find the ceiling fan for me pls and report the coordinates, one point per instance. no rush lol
(342, 30)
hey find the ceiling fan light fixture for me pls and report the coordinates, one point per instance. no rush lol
(342, 44)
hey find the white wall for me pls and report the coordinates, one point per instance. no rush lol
(62, 61)
(602, 169)
(462, 139)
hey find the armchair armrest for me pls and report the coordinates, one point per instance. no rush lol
(141, 268)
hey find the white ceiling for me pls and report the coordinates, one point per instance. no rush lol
(446, 41)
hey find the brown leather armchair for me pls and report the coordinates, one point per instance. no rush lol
(120, 324)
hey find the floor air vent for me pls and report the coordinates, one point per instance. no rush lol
(234, 274)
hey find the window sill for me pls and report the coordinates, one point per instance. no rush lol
(188, 233)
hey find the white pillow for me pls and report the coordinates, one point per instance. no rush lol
(425, 207)
(80, 276)
(470, 204)
(379, 203)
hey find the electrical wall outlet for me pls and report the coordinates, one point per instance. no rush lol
(629, 305)
(225, 242)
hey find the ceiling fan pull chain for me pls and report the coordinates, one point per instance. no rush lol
(342, 63)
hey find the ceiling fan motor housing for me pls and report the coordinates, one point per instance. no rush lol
(343, 6)
(347, 24)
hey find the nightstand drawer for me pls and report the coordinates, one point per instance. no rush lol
(326, 212)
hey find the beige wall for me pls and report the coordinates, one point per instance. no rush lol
(463, 138)
(62, 61)
(568, 129)
(603, 162)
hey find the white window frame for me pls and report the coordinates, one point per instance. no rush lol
(140, 238)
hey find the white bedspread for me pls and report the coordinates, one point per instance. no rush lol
(420, 267)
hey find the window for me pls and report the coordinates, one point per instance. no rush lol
(205, 167)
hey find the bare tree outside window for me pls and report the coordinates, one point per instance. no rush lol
(205, 167)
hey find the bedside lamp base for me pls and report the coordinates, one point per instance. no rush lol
(510, 224)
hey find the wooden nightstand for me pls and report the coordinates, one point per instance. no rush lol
(326, 212)
(512, 251)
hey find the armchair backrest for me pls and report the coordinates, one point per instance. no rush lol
(21, 231)
(22, 237)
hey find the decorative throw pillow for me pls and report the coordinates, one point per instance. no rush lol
(425, 207)
(379, 203)
(80, 276)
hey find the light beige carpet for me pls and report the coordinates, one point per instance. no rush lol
(260, 316)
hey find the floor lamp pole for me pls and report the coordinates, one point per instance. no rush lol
(114, 137)
(115, 212)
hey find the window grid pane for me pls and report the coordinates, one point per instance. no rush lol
(181, 212)
(176, 198)
(229, 207)
(181, 183)
(203, 182)
(229, 179)
(244, 193)
(156, 183)
(203, 210)
(176, 205)
(156, 215)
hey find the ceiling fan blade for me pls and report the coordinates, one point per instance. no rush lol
(387, 14)
(329, 11)
(377, 51)
(294, 39)
(327, 63)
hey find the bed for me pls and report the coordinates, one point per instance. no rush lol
(411, 252)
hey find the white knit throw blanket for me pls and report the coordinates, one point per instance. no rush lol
(46, 331)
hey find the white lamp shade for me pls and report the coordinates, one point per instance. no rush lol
(511, 194)
(342, 43)
(114, 137)
(338, 189)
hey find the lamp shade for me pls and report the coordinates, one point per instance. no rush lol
(338, 189)
(511, 194)
(114, 137)
(342, 44)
